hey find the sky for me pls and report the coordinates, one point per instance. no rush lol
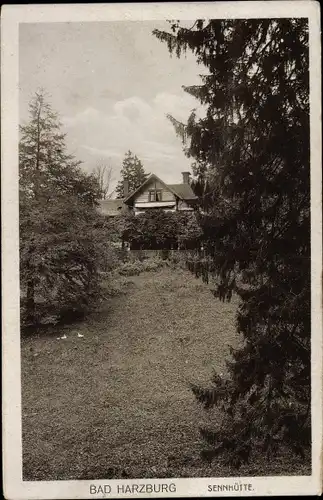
(112, 84)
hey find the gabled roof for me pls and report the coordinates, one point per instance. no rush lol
(149, 178)
(182, 191)
(111, 207)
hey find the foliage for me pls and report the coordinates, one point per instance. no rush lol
(136, 267)
(153, 264)
(157, 229)
(189, 229)
(130, 269)
(133, 172)
(60, 244)
(59, 255)
(251, 152)
(151, 230)
(46, 170)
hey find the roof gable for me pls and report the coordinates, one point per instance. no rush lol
(147, 181)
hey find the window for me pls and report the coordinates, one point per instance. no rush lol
(155, 195)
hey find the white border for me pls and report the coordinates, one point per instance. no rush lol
(15, 488)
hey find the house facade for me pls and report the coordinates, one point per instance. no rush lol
(153, 194)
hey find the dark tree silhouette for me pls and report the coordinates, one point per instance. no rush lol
(251, 152)
(133, 172)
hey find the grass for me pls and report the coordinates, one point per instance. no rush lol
(117, 401)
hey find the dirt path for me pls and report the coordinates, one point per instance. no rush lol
(117, 401)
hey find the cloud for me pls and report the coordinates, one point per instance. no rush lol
(107, 153)
(179, 106)
(135, 124)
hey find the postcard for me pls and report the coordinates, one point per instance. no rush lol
(161, 250)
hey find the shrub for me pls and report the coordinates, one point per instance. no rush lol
(158, 229)
(109, 258)
(59, 249)
(153, 264)
(135, 267)
(178, 259)
(130, 269)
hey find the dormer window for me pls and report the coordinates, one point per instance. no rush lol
(155, 195)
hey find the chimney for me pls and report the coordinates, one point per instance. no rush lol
(125, 188)
(186, 177)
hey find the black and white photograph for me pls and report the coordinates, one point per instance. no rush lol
(168, 279)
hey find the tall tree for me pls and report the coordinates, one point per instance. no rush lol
(103, 174)
(132, 171)
(46, 169)
(57, 218)
(251, 152)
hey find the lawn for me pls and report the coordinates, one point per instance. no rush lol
(113, 398)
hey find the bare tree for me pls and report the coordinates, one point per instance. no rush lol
(103, 173)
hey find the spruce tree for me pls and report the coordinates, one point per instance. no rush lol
(133, 172)
(251, 153)
(58, 238)
(46, 169)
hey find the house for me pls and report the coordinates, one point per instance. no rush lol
(153, 193)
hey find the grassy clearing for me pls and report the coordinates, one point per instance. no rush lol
(117, 402)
